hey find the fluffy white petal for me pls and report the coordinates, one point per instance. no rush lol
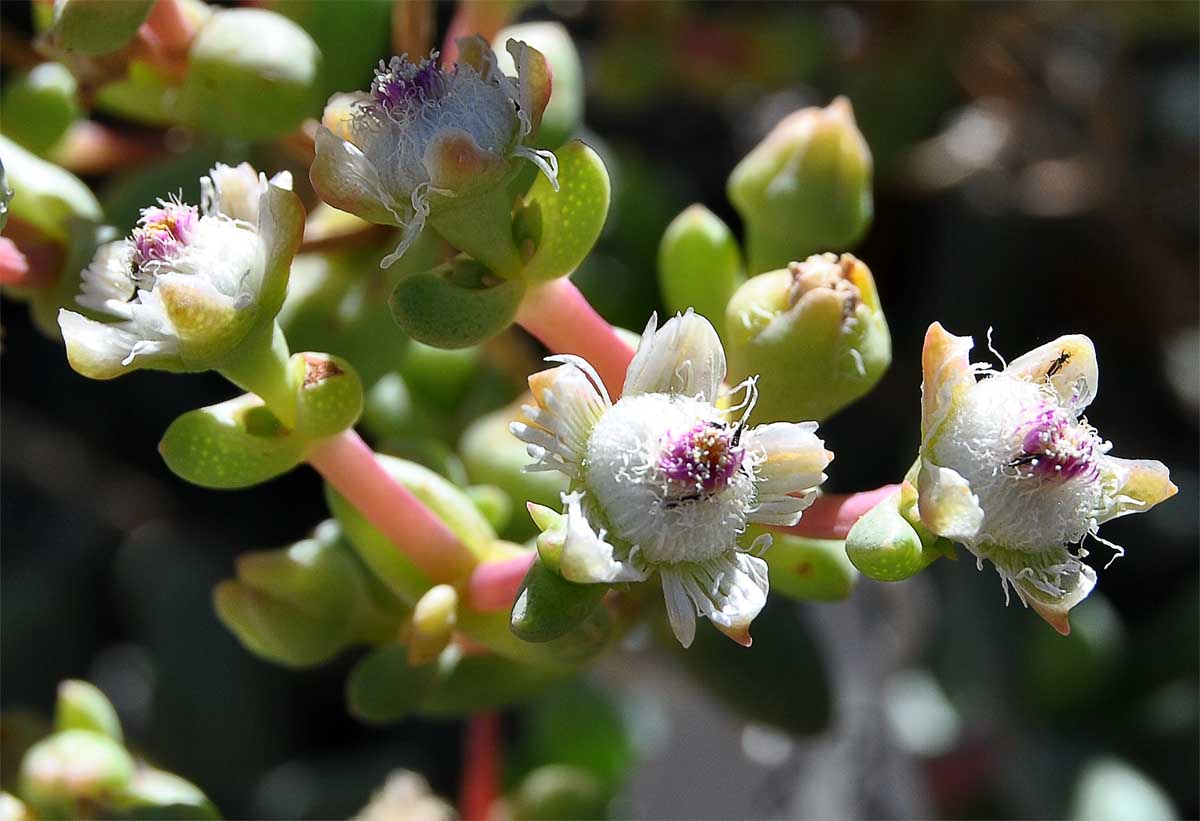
(946, 503)
(684, 356)
(94, 349)
(680, 610)
(793, 457)
(347, 180)
(586, 557)
(1068, 364)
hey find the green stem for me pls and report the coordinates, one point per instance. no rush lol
(260, 366)
(482, 227)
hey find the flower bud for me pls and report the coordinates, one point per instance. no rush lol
(405, 794)
(12, 808)
(699, 264)
(40, 106)
(815, 333)
(252, 74)
(81, 706)
(564, 112)
(156, 794)
(805, 188)
(189, 284)
(433, 621)
(70, 767)
(889, 543)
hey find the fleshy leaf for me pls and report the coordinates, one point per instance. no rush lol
(548, 606)
(563, 225)
(384, 686)
(809, 569)
(455, 305)
(887, 545)
(97, 26)
(235, 444)
(81, 706)
(699, 264)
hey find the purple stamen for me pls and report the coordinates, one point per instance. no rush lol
(163, 231)
(403, 83)
(703, 457)
(1055, 446)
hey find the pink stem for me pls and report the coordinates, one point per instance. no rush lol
(562, 320)
(351, 467)
(831, 516)
(493, 586)
(481, 767)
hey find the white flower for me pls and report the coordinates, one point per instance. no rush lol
(1011, 470)
(424, 135)
(665, 480)
(188, 284)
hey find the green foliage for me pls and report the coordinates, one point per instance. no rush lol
(699, 264)
(252, 74)
(455, 305)
(548, 606)
(95, 27)
(81, 706)
(890, 544)
(809, 569)
(385, 686)
(40, 106)
(563, 225)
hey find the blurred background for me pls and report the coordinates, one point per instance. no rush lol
(1036, 172)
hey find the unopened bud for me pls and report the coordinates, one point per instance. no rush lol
(433, 623)
(699, 264)
(804, 188)
(814, 332)
(81, 706)
(73, 766)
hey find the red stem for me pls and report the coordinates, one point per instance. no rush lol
(481, 767)
(493, 585)
(351, 467)
(562, 320)
(831, 516)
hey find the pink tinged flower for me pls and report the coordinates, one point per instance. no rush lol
(666, 479)
(1010, 469)
(188, 283)
(424, 137)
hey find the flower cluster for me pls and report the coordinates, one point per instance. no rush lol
(1010, 468)
(666, 478)
(424, 132)
(184, 287)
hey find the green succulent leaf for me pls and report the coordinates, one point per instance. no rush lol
(455, 305)
(563, 225)
(699, 264)
(384, 686)
(81, 706)
(97, 26)
(235, 444)
(40, 106)
(548, 606)
(154, 795)
(468, 684)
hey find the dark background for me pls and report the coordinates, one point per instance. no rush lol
(1036, 172)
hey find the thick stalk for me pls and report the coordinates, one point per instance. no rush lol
(493, 586)
(562, 320)
(351, 467)
(260, 366)
(481, 767)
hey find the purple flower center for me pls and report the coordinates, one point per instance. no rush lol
(703, 457)
(163, 231)
(402, 83)
(1055, 446)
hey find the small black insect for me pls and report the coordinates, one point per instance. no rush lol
(1057, 364)
(1026, 459)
